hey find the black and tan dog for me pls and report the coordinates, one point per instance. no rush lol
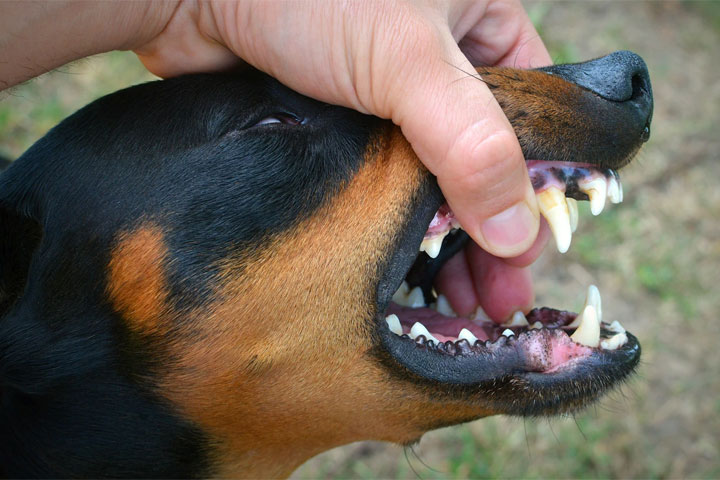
(195, 276)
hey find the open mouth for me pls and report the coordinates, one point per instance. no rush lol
(577, 355)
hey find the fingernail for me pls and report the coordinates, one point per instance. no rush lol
(510, 229)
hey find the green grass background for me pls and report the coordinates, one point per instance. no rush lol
(656, 259)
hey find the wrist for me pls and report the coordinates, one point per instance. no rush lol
(38, 36)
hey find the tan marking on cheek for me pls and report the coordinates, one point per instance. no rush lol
(136, 283)
(280, 370)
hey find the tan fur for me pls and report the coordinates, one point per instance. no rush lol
(277, 369)
(137, 286)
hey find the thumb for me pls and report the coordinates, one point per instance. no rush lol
(461, 134)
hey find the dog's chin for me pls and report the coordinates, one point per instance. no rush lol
(542, 362)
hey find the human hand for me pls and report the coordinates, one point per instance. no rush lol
(409, 62)
(405, 61)
(397, 60)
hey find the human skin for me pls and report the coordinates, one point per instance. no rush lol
(408, 61)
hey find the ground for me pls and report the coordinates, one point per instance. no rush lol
(655, 258)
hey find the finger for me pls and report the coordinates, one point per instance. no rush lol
(501, 289)
(455, 281)
(184, 48)
(505, 36)
(534, 252)
(461, 134)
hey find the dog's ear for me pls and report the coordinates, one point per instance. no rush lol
(19, 238)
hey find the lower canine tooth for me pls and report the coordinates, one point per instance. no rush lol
(467, 335)
(555, 210)
(443, 306)
(617, 340)
(394, 324)
(419, 329)
(588, 333)
(508, 332)
(592, 298)
(536, 326)
(415, 298)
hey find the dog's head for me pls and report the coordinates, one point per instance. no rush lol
(196, 275)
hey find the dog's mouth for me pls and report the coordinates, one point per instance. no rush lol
(576, 355)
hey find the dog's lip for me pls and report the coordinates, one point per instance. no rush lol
(499, 362)
(539, 356)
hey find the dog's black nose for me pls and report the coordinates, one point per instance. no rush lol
(619, 77)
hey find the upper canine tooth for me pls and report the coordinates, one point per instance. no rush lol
(443, 306)
(588, 333)
(613, 191)
(596, 189)
(432, 245)
(419, 329)
(415, 298)
(518, 320)
(555, 210)
(573, 211)
(394, 324)
(612, 343)
(400, 295)
(592, 298)
(467, 335)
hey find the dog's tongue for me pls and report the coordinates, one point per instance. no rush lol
(501, 287)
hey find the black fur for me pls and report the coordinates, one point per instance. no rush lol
(74, 402)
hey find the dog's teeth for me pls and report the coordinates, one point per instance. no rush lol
(432, 245)
(443, 306)
(573, 211)
(616, 327)
(400, 296)
(393, 323)
(517, 320)
(555, 210)
(592, 298)
(536, 326)
(622, 195)
(613, 191)
(588, 333)
(508, 333)
(419, 329)
(596, 189)
(467, 335)
(480, 315)
(617, 340)
(415, 298)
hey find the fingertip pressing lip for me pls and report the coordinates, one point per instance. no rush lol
(528, 258)
(510, 232)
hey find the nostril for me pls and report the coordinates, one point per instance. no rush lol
(639, 85)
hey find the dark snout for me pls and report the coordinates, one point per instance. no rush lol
(620, 77)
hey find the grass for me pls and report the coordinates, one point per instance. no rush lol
(655, 258)
(29, 110)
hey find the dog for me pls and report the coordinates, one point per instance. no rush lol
(212, 276)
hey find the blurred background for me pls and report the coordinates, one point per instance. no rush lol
(655, 258)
